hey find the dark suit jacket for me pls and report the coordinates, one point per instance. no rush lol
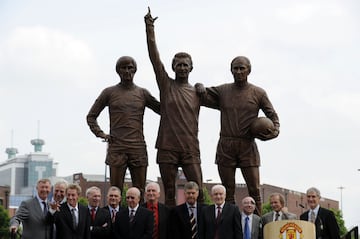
(229, 225)
(102, 217)
(140, 228)
(112, 234)
(64, 223)
(325, 224)
(180, 221)
(32, 217)
(164, 216)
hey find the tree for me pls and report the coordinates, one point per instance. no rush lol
(207, 198)
(83, 201)
(340, 221)
(266, 208)
(4, 223)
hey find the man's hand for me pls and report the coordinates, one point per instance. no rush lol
(106, 137)
(149, 20)
(54, 206)
(270, 134)
(13, 229)
(200, 89)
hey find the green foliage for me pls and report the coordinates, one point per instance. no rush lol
(83, 201)
(207, 198)
(340, 221)
(4, 223)
(266, 208)
(123, 196)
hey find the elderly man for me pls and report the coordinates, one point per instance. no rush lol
(325, 222)
(251, 223)
(100, 225)
(134, 222)
(160, 211)
(220, 220)
(278, 213)
(32, 214)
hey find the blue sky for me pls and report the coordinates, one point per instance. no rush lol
(56, 57)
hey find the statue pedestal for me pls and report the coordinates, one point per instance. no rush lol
(289, 229)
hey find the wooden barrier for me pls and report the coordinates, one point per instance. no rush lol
(289, 229)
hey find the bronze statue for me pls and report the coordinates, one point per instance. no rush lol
(177, 141)
(126, 145)
(239, 104)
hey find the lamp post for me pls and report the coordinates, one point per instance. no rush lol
(341, 205)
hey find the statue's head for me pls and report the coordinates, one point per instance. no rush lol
(242, 60)
(180, 58)
(125, 60)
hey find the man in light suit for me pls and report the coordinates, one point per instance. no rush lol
(72, 219)
(134, 222)
(253, 221)
(181, 224)
(160, 211)
(278, 213)
(221, 220)
(32, 214)
(325, 222)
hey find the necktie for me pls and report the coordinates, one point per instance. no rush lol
(218, 214)
(246, 229)
(312, 216)
(277, 215)
(93, 214)
(193, 223)
(113, 215)
(132, 215)
(155, 234)
(45, 208)
(73, 211)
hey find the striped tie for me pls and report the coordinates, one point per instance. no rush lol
(132, 216)
(193, 223)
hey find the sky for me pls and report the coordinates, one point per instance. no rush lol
(57, 56)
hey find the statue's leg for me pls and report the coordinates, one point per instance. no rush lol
(138, 178)
(168, 176)
(227, 176)
(252, 179)
(193, 172)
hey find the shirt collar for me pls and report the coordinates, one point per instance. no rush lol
(152, 205)
(71, 207)
(316, 210)
(135, 208)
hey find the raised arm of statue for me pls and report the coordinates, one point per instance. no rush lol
(153, 51)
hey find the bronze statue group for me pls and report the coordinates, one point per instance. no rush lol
(177, 146)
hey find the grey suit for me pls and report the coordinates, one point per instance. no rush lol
(269, 217)
(32, 217)
(256, 226)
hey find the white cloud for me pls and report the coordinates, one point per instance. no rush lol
(48, 55)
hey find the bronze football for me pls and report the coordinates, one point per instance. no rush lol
(261, 126)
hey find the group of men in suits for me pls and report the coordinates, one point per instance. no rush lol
(63, 217)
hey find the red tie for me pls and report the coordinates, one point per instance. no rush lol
(155, 234)
(113, 215)
(92, 214)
